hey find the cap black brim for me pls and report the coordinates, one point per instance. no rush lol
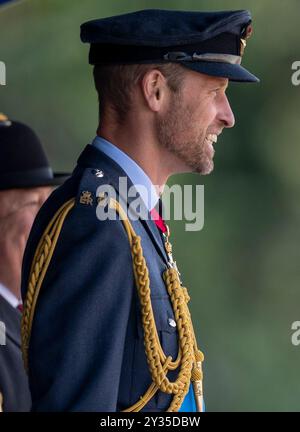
(27, 182)
(60, 178)
(57, 180)
(233, 72)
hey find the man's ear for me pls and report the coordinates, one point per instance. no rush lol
(154, 88)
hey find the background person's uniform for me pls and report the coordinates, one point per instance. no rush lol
(23, 165)
(13, 379)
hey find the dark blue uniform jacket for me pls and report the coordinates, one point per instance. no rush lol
(86, 350)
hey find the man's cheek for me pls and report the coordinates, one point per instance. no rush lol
(211, 116)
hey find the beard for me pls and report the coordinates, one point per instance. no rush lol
(179, 133)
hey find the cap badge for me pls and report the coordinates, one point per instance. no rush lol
(246, 33)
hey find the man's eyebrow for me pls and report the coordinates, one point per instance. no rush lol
(222, 84)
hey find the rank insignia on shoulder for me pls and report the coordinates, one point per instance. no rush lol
(98, 173)
(86, 198)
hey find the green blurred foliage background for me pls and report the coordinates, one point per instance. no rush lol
(242, 269)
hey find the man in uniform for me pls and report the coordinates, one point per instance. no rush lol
(26, 181)
(106, 325)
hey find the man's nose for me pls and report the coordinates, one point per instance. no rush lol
(226, 115)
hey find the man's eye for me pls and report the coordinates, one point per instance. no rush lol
(215, 92)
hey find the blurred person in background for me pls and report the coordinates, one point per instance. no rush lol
(26, 181)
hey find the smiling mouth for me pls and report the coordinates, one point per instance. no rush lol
(212, 138)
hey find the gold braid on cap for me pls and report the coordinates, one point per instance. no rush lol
(189, 358)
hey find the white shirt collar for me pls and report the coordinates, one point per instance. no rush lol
(9, 296)
(136, 174)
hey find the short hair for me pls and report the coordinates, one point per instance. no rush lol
(114, 83)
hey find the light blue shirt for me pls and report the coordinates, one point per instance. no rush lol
(150, 197)
(137, 175)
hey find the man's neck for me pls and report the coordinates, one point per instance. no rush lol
(142, 148)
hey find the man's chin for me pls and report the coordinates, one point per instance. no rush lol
(202, 167)
(205, 168)
(210, 168)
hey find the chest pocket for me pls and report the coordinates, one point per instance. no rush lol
(165, 324)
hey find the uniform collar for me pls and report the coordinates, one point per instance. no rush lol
(137, 175)
(94, 158)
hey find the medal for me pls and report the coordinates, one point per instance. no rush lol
(168, 249)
